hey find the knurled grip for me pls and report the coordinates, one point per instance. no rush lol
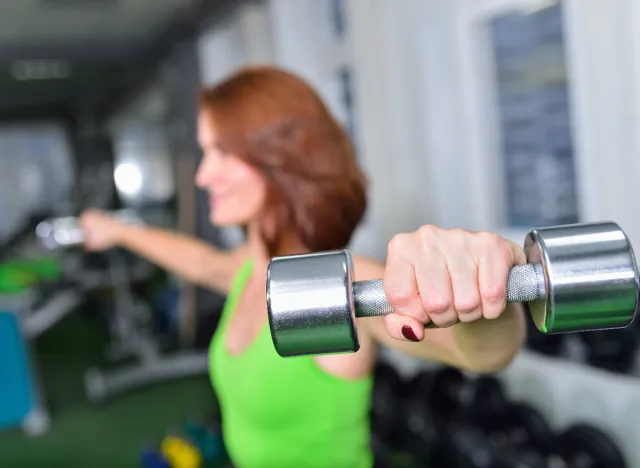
(525, 284)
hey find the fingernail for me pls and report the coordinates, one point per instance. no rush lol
(408, 333)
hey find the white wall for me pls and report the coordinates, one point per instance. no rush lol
(245, 37)
(390, 117)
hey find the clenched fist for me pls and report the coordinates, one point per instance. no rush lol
(446, 276)
(101, 230)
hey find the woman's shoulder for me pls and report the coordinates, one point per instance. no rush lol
(367, 268)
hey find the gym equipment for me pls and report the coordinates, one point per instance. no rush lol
(23, 317)
(527, 429)
(583, 445)
(180, 453)
(134, 337)
(208, 440)
(612, 350)
(579, 277)
(467, 447)
(150, 458)
(131, 317)
(423, 433)
(549, 345)
(389, 391)
(479, 401)
(21, 402)
(444, 395)
(484, 402)
(63, 232)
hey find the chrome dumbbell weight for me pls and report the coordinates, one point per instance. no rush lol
(578, 277)
(56, 233)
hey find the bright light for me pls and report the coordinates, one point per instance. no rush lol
(128, 178)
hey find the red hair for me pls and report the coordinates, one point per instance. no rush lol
(276, 122)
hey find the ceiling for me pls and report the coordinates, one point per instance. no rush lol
(57, 54)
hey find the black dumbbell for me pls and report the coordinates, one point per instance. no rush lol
(423, 431)
(527, 428)
(525, 459)
(480, 401)
(585, 446)
(549, 345)
(613, 350)
(389, 391)
(444, 392)
(485, 403)
(467, 446)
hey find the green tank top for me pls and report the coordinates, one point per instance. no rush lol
(286, 412)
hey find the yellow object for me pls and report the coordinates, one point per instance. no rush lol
(180, 453)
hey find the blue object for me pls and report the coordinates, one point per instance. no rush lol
(16, 389)
(168, 308)
(207, 440)
(153, 459)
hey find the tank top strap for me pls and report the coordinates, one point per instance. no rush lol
(242, 275)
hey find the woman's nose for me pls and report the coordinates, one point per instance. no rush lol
(208, 173)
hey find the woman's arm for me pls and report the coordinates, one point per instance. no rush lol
(185, 256)
(457, 280)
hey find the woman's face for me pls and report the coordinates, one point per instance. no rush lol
(237, 191)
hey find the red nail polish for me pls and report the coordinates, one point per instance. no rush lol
(408, 333)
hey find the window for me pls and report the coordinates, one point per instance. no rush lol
(345, 80)
(534, 118)
(338, 18)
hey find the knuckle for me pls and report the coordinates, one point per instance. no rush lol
(427, 233)
(397, 244)
(436, 305)
(490, 239)
(399, 295)
(467, 305)
(494, 293)
(459, 235)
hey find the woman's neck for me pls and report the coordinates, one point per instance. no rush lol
(255, 242)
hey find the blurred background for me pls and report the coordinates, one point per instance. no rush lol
(500, 115)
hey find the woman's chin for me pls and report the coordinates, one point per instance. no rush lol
(219, 220)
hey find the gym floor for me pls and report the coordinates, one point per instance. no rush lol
(86, 436)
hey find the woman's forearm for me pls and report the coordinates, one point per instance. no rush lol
(490, 345)
(185, 256)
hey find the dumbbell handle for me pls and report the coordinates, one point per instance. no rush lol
(525, 284)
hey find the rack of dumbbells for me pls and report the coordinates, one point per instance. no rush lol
(566, 401)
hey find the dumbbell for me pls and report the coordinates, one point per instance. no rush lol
(527, 429)
(578, 277)
(422, 433)
(389, 391)
(550, 345)
(479, 401)
(64, 232)
(466, 446)
(613, 350)
(585, 446)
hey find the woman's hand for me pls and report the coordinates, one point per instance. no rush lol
(101, 230)
(446, 276)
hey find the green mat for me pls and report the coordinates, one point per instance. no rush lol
(83, 436)
(18, 275)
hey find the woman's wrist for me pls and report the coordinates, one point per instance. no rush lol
(490, 345)
(122, 232)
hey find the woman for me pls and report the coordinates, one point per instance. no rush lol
(276, 162)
